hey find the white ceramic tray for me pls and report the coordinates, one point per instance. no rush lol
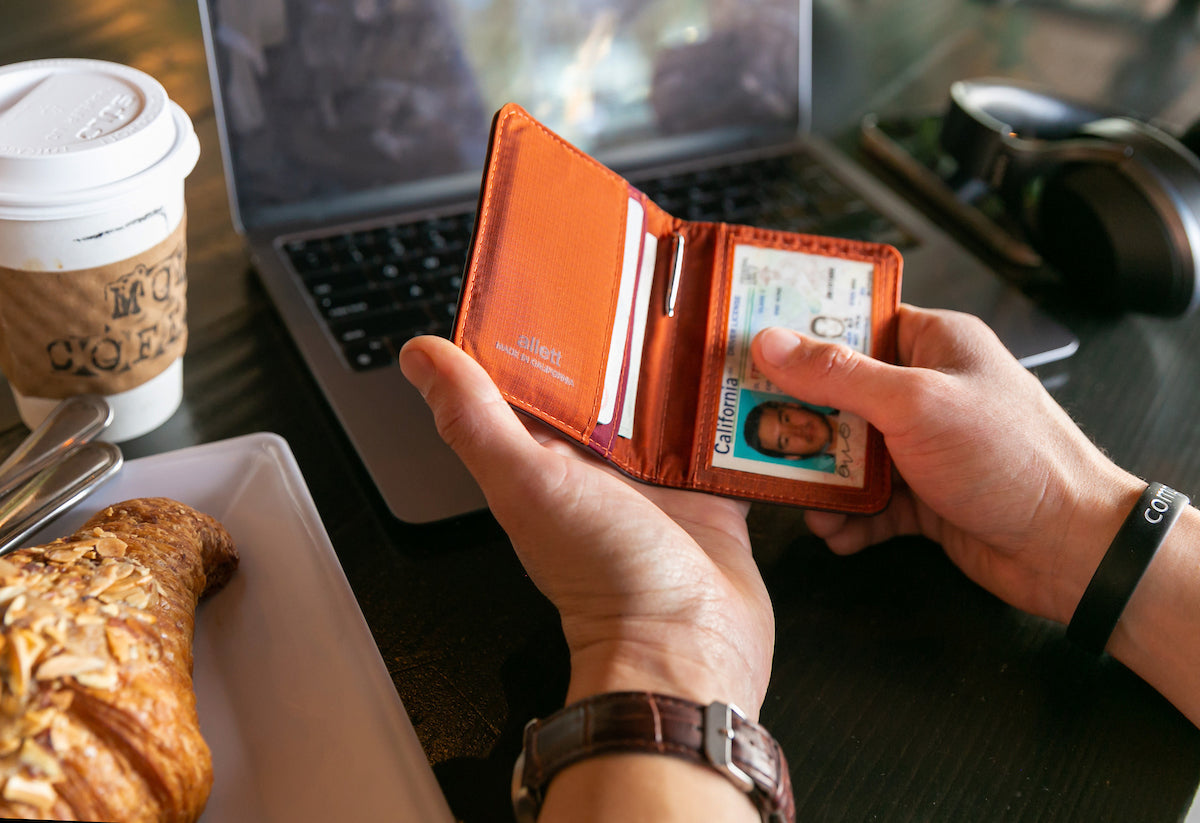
(294, 698)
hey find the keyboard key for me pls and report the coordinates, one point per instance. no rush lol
(344, 305)
(307, 259)
(328, 283)
(381, 324)
(384, 272)
(370, 354)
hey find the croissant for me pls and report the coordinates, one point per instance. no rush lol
(97, 707)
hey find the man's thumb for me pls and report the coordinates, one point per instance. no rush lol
(829, 374)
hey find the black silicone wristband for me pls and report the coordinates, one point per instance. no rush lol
(1123, 565)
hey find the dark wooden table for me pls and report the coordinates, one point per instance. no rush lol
(901, 691)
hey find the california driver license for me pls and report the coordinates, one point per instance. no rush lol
(759, 429)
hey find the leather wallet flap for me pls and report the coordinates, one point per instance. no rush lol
(544, 274)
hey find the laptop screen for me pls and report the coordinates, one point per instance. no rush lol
(331, 108)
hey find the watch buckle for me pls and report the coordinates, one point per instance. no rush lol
(718, 742)
(526, 800)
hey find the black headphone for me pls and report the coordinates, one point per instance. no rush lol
(1113, 204)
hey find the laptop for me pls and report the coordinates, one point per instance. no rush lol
(354, 135)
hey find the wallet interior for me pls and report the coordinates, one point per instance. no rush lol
(550, 308)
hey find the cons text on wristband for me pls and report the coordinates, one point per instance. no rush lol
(1123, 565)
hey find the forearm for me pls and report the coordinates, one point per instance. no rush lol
(1158, 635)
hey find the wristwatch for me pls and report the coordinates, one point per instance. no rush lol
(716, 735)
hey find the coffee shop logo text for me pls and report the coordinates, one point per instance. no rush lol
(145, 319)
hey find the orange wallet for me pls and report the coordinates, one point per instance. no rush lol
(628, 330)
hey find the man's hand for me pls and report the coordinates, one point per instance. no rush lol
(657, 588)
(992, 468)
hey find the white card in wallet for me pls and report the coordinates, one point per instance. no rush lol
(634, 231)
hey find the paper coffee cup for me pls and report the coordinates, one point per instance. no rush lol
(93, 157)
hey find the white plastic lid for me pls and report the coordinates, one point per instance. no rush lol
(75, 133)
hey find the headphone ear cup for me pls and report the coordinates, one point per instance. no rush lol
(1191, 139)
(1098, 229)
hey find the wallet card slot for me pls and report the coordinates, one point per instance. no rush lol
(752, 437)
(637, 338)
(623, 316)
(660, 444)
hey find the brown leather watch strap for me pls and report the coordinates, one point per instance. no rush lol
(716, 735)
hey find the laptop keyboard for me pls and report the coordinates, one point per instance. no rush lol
(378, 287)
(792, 192)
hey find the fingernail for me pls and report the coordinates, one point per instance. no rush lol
(418, 368)
(777, 346)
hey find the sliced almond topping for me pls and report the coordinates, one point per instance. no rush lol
(25, 648)
(108, 574)
(61, 699)
(42, 616)
(37, 721)
(64, 734)
(57, 630)
(8, 568)
(132, 590)
(117, 568)
(34, 792)
(38, 759)
(125, 583)
(9, 593)
(120, 644)
(140, 599)
(16, 608)
(106, 680)
(111, 547)
(68, 665)
(11, 704)
(144, 616)
(63, 543)
(116, 595)
(69, 553)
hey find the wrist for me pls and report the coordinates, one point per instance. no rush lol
(633, 742)
(1101, 507)
(623, 666)
(1144, 530)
